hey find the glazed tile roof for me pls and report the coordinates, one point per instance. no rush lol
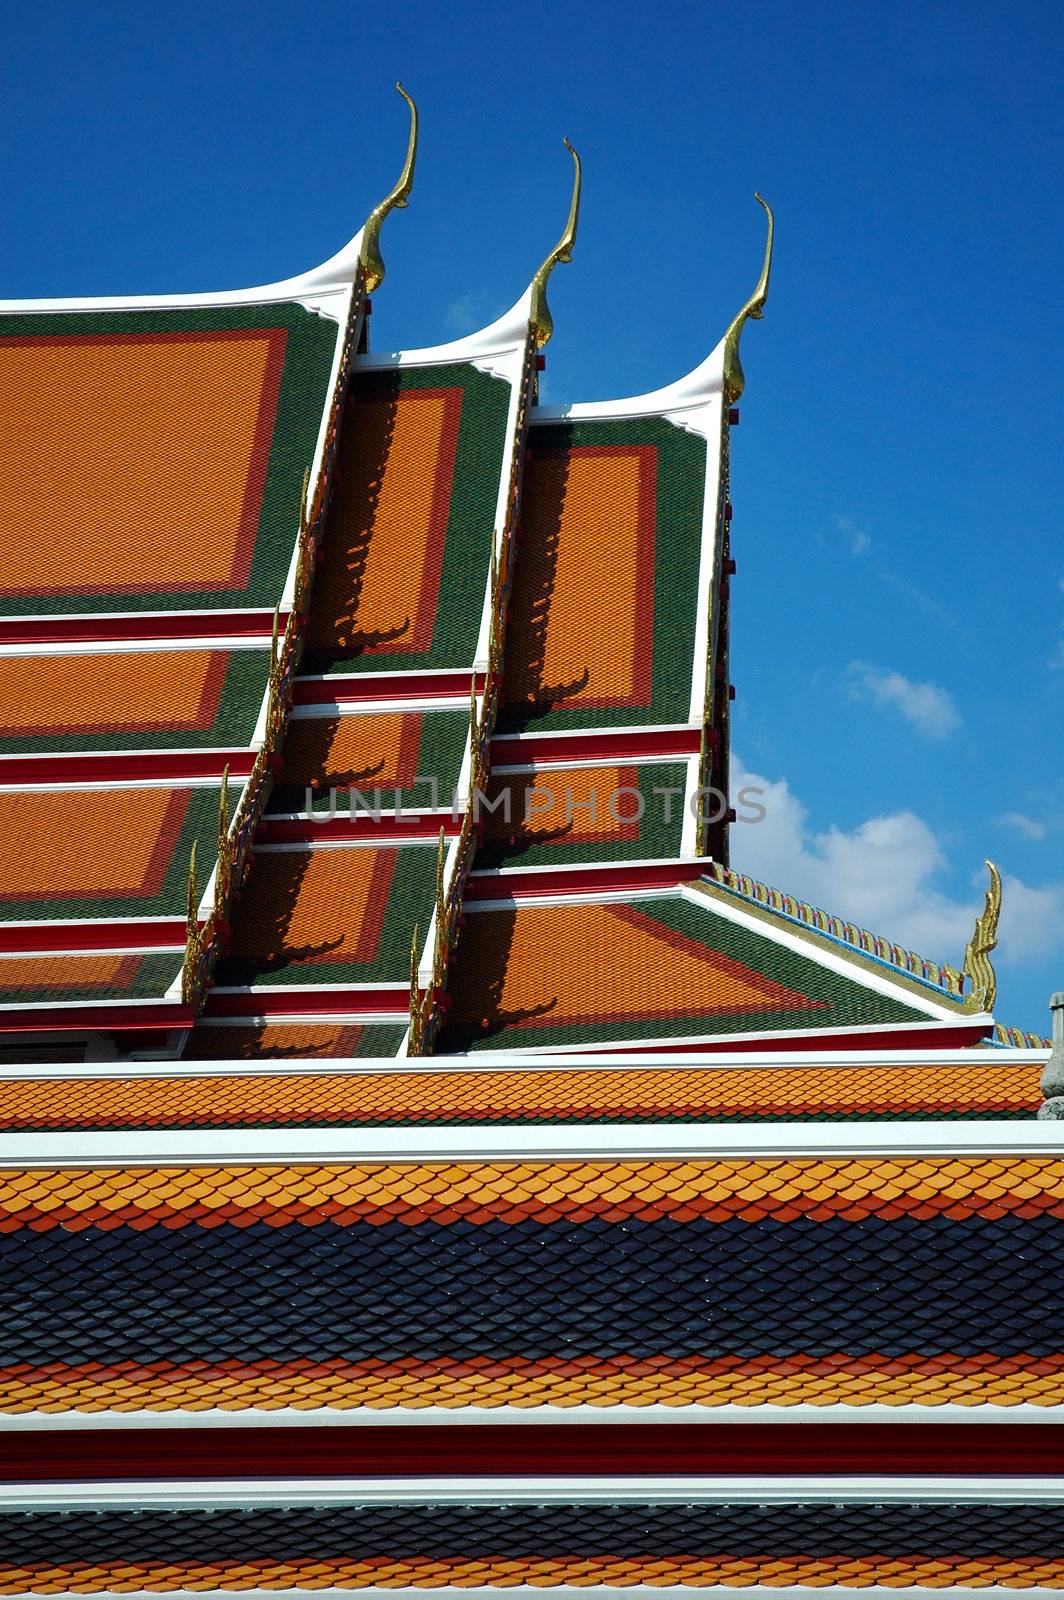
(657, 967)
(156, 465)
(385, 750)
(117, 852)
(131, 699)
(409, 534)
(553, 1541)
(570, 1095)
(55, 978)
(422, 509)
(330, 915)
(599, 1281)
(182, 437)
(603, 615)
(282, 1040)
(583, 813)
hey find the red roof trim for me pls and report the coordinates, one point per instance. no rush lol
(96, 767)
(122, 627)
(621, 744)
(531, 883)
(345, 687)
(533, 1451)
(307, 1000)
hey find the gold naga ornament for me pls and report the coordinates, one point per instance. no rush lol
(976, 964)
(539, 316)
(370, 258)
(734, 379)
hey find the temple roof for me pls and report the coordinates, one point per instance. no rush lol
(159, 457)
(429, 1539)
(552, 1267)
(685, 964)
(689, 1209)
(941, 1085)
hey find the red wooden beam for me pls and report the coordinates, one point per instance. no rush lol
(307, 1000)
(534, 882)
(622, 744)
(104, 767)
(110, 628)
(388, 830)
(150, 1017)
(932, 1037)
(345, 687)
(127, 935)
(536, 1450)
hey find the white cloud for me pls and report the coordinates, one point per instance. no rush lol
(462, 315)
(859, 539)
(473, 310)
(880, 874)
(1032, 920)
(927, 708)
(885, 875)
(1029, 827)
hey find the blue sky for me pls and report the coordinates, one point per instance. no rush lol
(899, 611)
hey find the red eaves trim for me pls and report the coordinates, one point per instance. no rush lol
(443, 685)
(307, 1000)
(119, 627)
(152, 1017)
(610, 745)
(297, 830)
(127, 936)
(532, 1451)
(160, 766)
(531, 883)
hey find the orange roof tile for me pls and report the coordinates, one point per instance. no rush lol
(377, 586)
(496, 1095)
(88, 843)
(308, 905)
(163, 441)
(586, 963)
(376, 749)
(590, 521)
(138, 691)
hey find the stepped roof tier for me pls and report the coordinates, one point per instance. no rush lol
(426, 1162)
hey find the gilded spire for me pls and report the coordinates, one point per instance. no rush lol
(977, 965)
(734, 381)
(370, 254)
(540, 317)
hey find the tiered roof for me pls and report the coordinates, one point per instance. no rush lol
(671, 1162)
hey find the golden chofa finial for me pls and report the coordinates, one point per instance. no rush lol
(540, 317)
(734, 381)
(370, 254)
(977, 955)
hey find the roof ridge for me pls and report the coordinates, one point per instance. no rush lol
(939, 974)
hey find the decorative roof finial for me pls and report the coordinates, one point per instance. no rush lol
(734, 381)
(370, 254)
(977, 965)
(540, 317)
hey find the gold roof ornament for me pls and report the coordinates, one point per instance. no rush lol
(539, 316)
(734, 380)
(370, 257)
(976, 964)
